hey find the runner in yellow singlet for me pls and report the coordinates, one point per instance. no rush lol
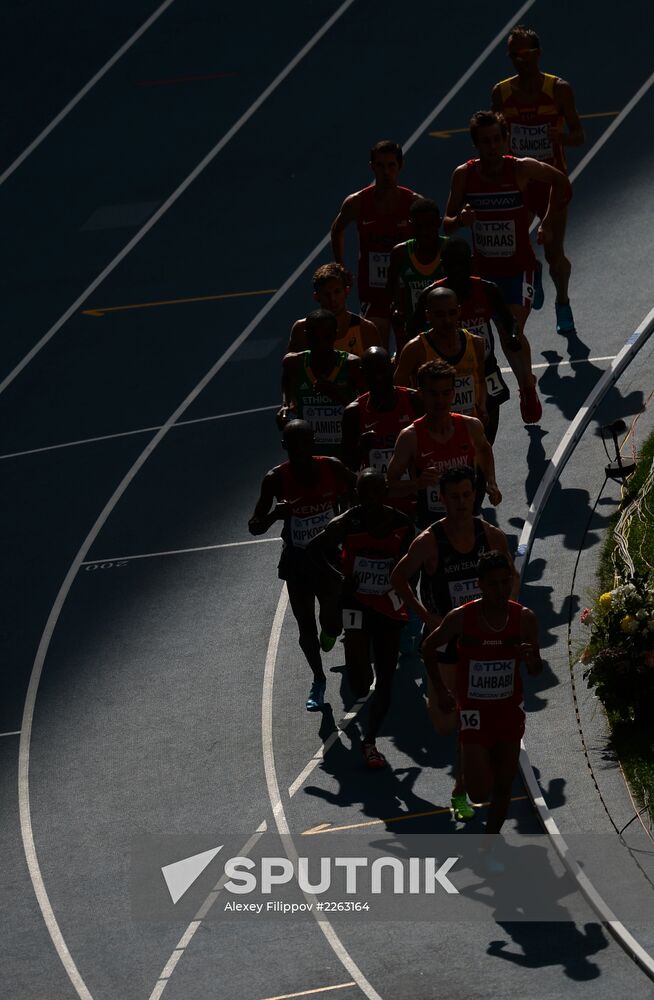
(332, 284)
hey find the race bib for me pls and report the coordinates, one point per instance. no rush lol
(491, 679)
(469, 719)
(352, 619)
(481, 329)
(434, 503)
(379, 459)
(326, 423)
(495, 238)
(378, 269)
(494, 384)
(303, 529)
(531, 140)
(373, 576)
(462, 591)
(464, 394)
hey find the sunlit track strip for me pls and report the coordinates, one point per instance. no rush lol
(182, 552)
(84, 91)
(558, 462)
(177, 193)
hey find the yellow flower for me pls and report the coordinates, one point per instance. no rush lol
(629, 623)
(606, 600)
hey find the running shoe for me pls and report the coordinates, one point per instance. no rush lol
(530, 406)
(327, 641)
(565, 321)
(462, 811)
(539, 292)
(373, 758)
(316, 699)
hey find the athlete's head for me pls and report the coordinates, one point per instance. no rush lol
(297, 439)
(495, 576)
(456, 258)
(321, 329)
(331, 286)
(443, 311)
(524, 47)
(457, 488)
(377, 370)
(436, 381)
(371, 489)
(489, 131)
(426, 218)
(386, 162)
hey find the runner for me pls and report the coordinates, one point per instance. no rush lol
(494, 634)
(373, 537)
(542, 118)
(371, 423)
(446, 340)
(446, 557)
(488, 195)
(414, 265)
(309, 491)
(318, 384)
(438, 441)
(332, 284)
(481, 301)
(381, 213)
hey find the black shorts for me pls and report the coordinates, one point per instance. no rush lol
(358, 616)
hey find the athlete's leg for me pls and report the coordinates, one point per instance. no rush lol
(385, 649)
(303, 605)
(478, 770)
(559, 265)
(329, 607)
(490, 428)
(505, 766)
(358, 666)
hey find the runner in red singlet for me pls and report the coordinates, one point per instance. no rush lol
(540, 111)
(438, 441)
(381, 213)
(487, 194)
(305, 493)
(495, 634)
(373, 537)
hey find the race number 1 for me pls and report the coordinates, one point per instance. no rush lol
(352, 619)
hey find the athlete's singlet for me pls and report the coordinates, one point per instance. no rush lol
(414, 277)
(488, 683)
(323, 413)
(378, 234)
(457, 451)
(500, 233)
(529, 122)
(386, 426)
(351, 342)
(455, 581)
(312, 505)
(476, 313)
(367, 562)
(467, 383)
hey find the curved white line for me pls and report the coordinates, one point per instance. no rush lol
(84, 91)
(276, 803)
(565, 449)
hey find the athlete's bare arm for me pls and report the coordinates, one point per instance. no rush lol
(263, 515)
(349, 481)
(497, 540)
(349, 213)
(402, 460)
(412, 356)
(530, 646)
(322, 547)
(484, 459)
(480, 350)
(289, 371)
(450, 628)
(393, 281)
(350, 436)
(496, 98)
(574, 136)
(370, 335)
(297, 340)
(423, 550)
(458, 213)
(528, 169)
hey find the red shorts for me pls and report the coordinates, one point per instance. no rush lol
(490, 724)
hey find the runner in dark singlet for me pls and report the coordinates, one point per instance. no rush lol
(446, 557)
(305, 493)
(494, 635)
(373, 537)
(318, 384)
(332, 284)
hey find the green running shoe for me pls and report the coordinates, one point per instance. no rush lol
(462, 811)
(327, 641)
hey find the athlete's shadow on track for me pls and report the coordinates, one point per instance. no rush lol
(568, 392)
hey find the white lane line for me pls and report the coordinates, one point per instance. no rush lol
(323, 749)
(179, 552)
(561, 456)
(177, 193)
(16, 732)
(557, 364)
(84, 91)
(139, 430)
(310, 993)
(277, 805)
(27, 832)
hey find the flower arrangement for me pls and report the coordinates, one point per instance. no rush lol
(620, 652)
